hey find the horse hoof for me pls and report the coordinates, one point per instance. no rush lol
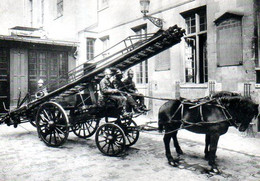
(173, 163)
(215, 170)
(180, 152)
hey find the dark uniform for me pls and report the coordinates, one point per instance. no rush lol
(130, 87)
(108, 91)
(118, 84)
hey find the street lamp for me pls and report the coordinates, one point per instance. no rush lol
(145, 9)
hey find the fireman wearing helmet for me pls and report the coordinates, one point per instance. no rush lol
(131, 88)
(118, 84)
(42, 91)
(108, 91)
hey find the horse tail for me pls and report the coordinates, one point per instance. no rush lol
(162, 116)
(165, 113)
(161, 121)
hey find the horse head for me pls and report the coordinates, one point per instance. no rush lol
(242, 110)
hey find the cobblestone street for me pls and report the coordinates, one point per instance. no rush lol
(24, 157)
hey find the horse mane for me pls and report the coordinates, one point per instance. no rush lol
(241, 105)
(221, 94)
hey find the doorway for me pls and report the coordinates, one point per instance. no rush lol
(4, 79)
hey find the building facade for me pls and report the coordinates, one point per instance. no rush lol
(28, 53)
(220, 50)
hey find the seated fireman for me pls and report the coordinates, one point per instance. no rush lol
(109, 92)
(130, 88)
(118, 84)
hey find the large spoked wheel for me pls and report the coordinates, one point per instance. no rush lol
(86, 129)
(52, 124)
(33, 118)
(131, 131)
(110, 139)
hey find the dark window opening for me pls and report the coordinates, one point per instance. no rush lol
(49, 66)
(141, 70)
(196, 64)
(90, 48)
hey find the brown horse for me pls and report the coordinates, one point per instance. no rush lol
(212, 118)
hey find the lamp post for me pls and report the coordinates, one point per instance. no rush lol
(145, 9)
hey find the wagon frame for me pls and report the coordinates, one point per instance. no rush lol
(54, 116)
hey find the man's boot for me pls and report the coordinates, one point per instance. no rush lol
(136, 109)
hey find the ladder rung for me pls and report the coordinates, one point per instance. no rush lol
(64, 94)
(142, 54)
(135, 58)
(69, 92)
(150, 50)
(74, 90)
(84, 84)
(58, 97)
(79, 86)
(157, 45)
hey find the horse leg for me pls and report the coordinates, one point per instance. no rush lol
(212, 152)
(176, 143)
(171, 160)
(207, 143)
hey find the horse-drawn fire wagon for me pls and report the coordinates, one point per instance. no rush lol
(54, 114)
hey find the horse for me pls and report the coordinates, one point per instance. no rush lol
(211, 118)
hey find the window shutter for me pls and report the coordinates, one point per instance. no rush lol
(229, 43)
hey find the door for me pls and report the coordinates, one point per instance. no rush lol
(50, 66)
(4, 79)
(18, 75)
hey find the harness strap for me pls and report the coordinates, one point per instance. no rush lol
(180, 107)
(201, 114)
(228, 116)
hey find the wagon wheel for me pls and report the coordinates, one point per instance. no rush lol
(86, 129)
(52, 124)
(33, 117)
(131, 131)
(110, 139)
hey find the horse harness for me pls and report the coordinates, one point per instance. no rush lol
(199, 103)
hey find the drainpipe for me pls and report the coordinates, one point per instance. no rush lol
(255, 38)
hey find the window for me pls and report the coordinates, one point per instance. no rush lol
(141, 69)
(196, 63)
(90, 48)
(105, 41)
(49, 66)
(229, 40)
(59, 8)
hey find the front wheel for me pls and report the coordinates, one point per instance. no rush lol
(131, 131)
(52, 124)
(86, 129)
(110, 139)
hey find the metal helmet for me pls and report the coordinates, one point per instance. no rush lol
(107, 71)
(130, 71)
(118, 72)
(40, 81)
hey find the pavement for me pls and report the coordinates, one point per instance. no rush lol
(24, 157)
